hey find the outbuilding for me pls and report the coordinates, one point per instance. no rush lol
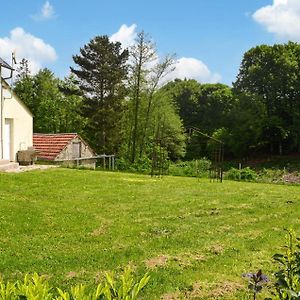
(64, 148)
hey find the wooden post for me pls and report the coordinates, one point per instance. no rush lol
(113, 162)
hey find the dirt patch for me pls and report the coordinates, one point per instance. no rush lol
(159, 261)
(291, 178)
(171, 296)
(198, 257)
(195, 291)
(250, 234)
(216, 249)
(187, 259)
(198, 291)
(71, 275)
(98, 231)
(21, 169)
(182, 260)
(225, 288)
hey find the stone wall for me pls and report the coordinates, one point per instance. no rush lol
(70, 157)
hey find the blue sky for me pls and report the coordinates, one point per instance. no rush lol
(209, 37)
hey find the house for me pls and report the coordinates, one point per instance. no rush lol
(64, 148)
(16, 121)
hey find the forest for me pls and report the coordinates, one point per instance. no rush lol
(120, 101)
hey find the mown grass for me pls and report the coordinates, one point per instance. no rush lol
(194, 237)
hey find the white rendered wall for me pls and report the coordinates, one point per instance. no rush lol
(21, 120)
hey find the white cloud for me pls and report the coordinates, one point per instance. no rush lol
(27, 46)
(192, 68)
(126, 35)
(281, 18)
(46, 13)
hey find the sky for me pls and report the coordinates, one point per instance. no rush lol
(209, 37)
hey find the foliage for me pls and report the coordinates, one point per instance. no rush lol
(35, 287)
(271, 175)
(23, 70)
(205, 106)
(101, 72)
(142, 54)
(194, 168)
(272, 73)
(70, 105)
(53, 102)
(243, 134)
(142, 165)
(256, 281)
(244, 174)
(150, 115)
(288, 275)
(164, 129)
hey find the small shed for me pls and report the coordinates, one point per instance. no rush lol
(64, 148)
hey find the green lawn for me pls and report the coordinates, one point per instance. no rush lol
(194, 237)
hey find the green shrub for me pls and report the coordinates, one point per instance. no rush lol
(271, 175)
(245, 174)
(36, 287)
(287, 278)
(193, 168)
(122, 164)
(141, 165)
(288, 275)
(233, 174)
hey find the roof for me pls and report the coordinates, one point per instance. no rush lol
(50, 145)
(5, 64)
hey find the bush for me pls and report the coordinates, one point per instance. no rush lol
(193, 168)
(288, 276)
(36, 287)
(245, 174)
(142, 165)
(287, 284)
(271, 175)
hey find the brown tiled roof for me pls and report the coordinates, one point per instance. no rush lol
(50, 145)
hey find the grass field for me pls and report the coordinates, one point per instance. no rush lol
(194, 237)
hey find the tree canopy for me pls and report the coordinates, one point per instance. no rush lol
(118, 100)
(272, 73)
(101, 74)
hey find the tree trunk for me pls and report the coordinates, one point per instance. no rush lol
(136, 108)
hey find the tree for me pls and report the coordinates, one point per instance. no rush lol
(142, 53)
(71, 102)
(159, 70)
(165, 129)
(54, 103)
(146, 72)
(167, 126)
(42, 96)
(205, 106)
(272, 73)
(24, 86)
(101, 73)
(23, 69)
(243, 134)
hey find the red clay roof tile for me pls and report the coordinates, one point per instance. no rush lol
(50, 145)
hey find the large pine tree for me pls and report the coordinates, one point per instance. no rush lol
(101, 73)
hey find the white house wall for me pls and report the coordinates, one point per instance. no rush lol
(21, 120)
